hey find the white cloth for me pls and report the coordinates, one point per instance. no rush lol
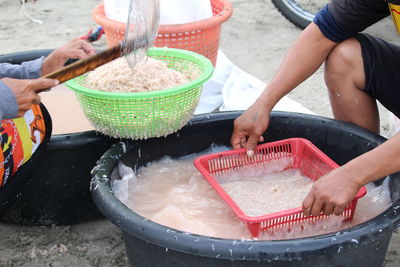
(117, 10)
(184, 11)
(394, 124)
(171, 11)
(230, 88)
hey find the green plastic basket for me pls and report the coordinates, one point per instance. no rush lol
(142, 115)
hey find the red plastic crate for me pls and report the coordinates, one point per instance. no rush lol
(306, 157)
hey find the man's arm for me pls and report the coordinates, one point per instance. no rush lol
(26, 70)
(332, 192)
(15, 95)
(9, 108)
(25, 93)
(304, 57)
(8, 104)
(22, 80)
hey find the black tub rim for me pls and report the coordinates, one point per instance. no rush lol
(21, 56)
(77, 139)
(289, 250)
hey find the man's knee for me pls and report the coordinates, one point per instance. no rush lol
(345, 60)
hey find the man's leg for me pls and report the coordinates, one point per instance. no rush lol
(345, 79)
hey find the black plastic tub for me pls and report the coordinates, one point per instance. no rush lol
(58, 189)
(150, 244)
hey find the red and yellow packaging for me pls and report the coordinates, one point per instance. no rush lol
(395, 11)
(19, 139)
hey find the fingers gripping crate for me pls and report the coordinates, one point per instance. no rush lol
(304, 156)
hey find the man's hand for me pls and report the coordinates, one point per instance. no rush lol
(76, 49)
(26, 91)
(249, 127)
(331, 193)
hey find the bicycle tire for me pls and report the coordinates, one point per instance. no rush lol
(294, 12)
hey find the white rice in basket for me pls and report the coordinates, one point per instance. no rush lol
(117, 76)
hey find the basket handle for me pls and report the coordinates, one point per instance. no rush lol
(84, 65)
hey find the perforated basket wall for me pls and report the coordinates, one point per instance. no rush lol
(306, 157)
(142, 115)
(200, 36)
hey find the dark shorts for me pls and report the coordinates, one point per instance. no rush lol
(382, 71)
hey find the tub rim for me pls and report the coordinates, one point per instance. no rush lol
(290, 250)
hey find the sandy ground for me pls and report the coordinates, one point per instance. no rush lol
(255, 39)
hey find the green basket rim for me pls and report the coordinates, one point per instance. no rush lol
(203, 62)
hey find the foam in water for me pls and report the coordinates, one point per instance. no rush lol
(173, 193)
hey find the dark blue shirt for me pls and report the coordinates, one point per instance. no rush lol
(342, 19)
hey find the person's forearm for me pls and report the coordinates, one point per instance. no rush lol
(8, 104)
(26, 70)
(377, 163)
(304, 57)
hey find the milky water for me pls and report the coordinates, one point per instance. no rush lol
(171, 192)
(261, 190)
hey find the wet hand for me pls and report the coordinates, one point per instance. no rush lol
(76, 49)
(249, 127)
(331, 193)
(26, 91)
